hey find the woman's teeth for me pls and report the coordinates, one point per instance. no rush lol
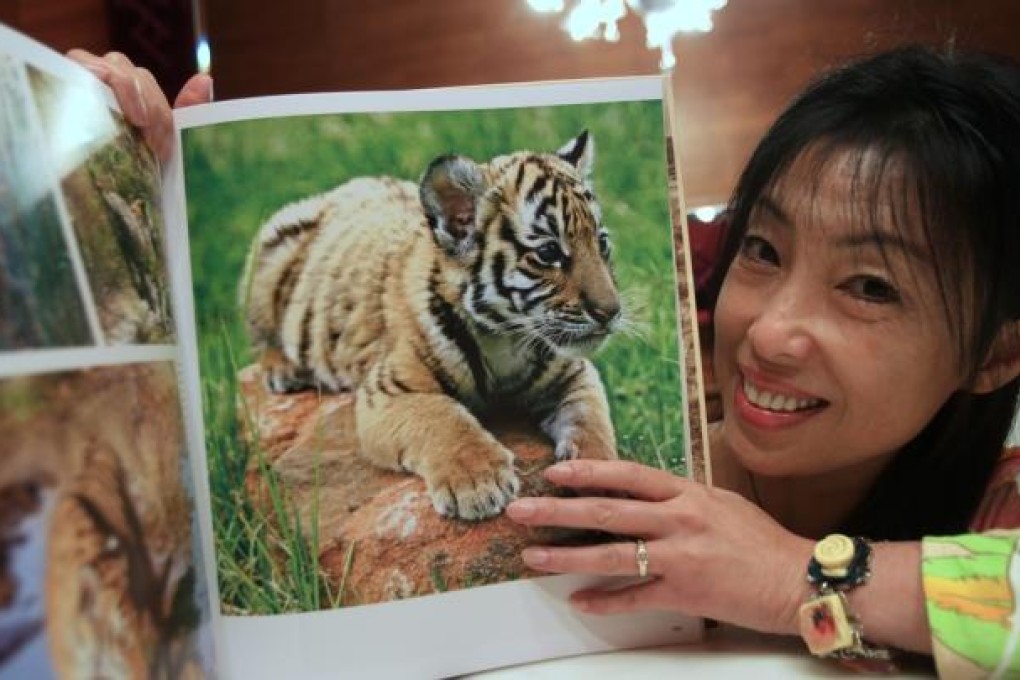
(777, 402)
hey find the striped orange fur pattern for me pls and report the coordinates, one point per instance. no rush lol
(485, 287)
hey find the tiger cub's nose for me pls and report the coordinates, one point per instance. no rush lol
(604, 313)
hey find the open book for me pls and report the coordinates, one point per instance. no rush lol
(262, 408)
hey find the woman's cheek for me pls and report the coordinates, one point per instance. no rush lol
(733, 314)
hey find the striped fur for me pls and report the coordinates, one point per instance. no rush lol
(484, 288)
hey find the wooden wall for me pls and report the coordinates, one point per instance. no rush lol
(729, 84)
(61, 24)
(732, 83)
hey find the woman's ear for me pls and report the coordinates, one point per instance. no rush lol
(1003, 362)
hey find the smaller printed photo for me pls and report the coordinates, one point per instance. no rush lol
(41, 305)
(110, 184)
(98, 554)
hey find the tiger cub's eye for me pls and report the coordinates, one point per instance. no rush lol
(605, 246)
(549, 253)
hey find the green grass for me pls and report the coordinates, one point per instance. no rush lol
(265, 562)
(43, 305)
(239, 174)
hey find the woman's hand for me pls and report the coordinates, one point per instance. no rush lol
(711, 552)
(140, 98)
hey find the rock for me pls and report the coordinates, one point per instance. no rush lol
(379, 535)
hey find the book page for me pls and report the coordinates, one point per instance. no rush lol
(99, 557)
(388, 302)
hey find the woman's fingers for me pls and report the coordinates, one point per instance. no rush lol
(637, 597)
(612, 515)
(198, 90)
(159, 131)
(608, 559)
(640, 481)
(643, 516)
(90, 61)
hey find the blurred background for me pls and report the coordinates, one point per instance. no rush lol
(730, 81)
(734, 64)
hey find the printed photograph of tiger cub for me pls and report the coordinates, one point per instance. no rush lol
(109, 180)
(98, 569)
(488, 285)
(383, 293)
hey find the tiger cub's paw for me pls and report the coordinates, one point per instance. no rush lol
(285, 379)
(281, 376)
(473, 485)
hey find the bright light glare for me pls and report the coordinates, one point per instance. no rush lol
(598, 19)
(546, 5)
(595, 19)
(82, 123)
(203, 55)
(706, 213)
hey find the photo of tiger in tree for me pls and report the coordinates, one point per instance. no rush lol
(403, 318)
(110, 183)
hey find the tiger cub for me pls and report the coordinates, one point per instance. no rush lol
(482, 289)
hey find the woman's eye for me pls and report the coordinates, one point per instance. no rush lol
(759, 250)
(605, 247)
(872, 289)
(549, 253)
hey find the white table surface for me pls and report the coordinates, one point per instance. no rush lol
(726, 652)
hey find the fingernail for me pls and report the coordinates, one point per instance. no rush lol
(560, 470)
(521, 509)
(535, 557)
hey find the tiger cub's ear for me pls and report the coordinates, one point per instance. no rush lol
(449, 193)
(580, 152)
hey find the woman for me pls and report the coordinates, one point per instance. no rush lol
(867, 349)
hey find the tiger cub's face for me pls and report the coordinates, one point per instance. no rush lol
(529, 230)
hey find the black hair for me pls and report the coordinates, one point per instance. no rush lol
(938, 134)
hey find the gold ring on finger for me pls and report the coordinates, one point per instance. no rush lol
(641, 555)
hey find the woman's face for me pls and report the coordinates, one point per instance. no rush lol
(832, 347)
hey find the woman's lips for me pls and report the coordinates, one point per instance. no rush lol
(771, 408)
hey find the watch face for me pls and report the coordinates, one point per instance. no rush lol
(840, 562)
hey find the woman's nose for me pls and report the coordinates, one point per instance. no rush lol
(783, 333)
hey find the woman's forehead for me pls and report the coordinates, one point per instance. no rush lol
(846, 190)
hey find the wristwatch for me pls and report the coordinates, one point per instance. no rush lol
(838, 565)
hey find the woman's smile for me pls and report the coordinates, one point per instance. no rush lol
(777, 398)
(768, 407)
